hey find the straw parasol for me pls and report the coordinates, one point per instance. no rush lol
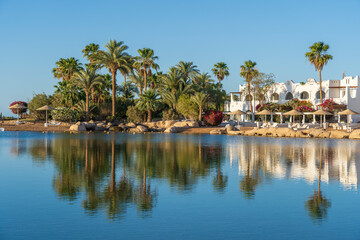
(264, 112)
(293, 113)
(17, 107)
(46, 108)
(322, 112)
(347, 112)
(237, 113)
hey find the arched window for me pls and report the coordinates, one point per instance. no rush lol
(248, 97)
(275, 97)
(289, 96)
(304, 95)
(318, 94)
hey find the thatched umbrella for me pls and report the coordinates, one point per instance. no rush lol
(264, 112)
(347, 112)
(17, 107)
(237, 113)
(293, 113)
(322, 113)
(46, 108)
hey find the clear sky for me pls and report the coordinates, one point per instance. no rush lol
(274, 34)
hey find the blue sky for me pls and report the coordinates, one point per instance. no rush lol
(275, 34)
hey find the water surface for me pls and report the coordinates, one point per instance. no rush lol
(92, 186)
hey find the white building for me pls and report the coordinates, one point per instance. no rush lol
(343, 91)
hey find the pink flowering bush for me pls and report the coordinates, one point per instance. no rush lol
(15, 111)
(328, 105)
(213, 117)
(305, 109)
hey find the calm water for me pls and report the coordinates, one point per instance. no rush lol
(92, 186)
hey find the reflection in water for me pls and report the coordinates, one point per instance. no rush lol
(117, 172)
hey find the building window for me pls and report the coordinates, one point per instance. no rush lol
(318, 94)
(304, 95)
(289, 96)
(275, 97)
(248, 98)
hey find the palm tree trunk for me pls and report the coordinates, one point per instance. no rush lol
(113, 72)
(87, 106)
(149, 115)
(250, 97)
(124, 79)
(200, 111)
(145, 76)
(321, 97)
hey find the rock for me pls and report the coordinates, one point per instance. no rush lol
(91, 121)
(235, 132)
(115, 129)
(229, 128)
(130, 125)
(218, 131)
(301, 134)
(355, 134)
(78, 128)
(149, 124)
(171, 129)
(100, 127)
(168, 123)
(181, 125)
(319, 133)
(339, 134)
(90, 126)
(78, 123)
(141, 129)
(192, 123)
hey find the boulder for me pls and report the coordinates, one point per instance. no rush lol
(130, 125)
(301, 134)
(78, 128)
(141, 129)
(284, 132)
(100, 127)
(229, 128)
(235, 132)
(192, 123)
(181, 125)
(218, 131)
(90, 126)
(171, 129)
(339, 134)
(319, 133)
(115, 129)
(355, 134)
(168, 123)
(78, 123)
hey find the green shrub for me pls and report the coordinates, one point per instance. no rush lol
(187, 108)
(36, 102)
(135, 115)
(64, 115)
(170, 114)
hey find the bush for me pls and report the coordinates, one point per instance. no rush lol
(36, 102)
(187, 108)
(213, 117)
(170, 114)
(64, 115)
(135, 115)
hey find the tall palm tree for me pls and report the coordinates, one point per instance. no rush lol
(145, 62)
(319, 58)
(248, 71)
(149, 101)
(114, 58)
(221, 71)
(66, 67)
(200, 99)
(188, 71)
(90, 50)
(87, 80)
(127, 67)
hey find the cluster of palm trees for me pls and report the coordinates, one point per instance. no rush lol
(155, 90)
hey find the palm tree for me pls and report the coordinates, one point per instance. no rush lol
(114, 58)
(66, 68)
(248, 71)
(144, 62)
(200, 99)
(319, 58)
(188, 70)
(90, 50)
(127, 90)
(127, 67)
(87, 80)
(221, 71)
(138, 80)
(202, 81)
(149, 101)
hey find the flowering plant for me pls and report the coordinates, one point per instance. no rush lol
(328, 105)
(213, 117)
(21, 110)
(305, 109)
